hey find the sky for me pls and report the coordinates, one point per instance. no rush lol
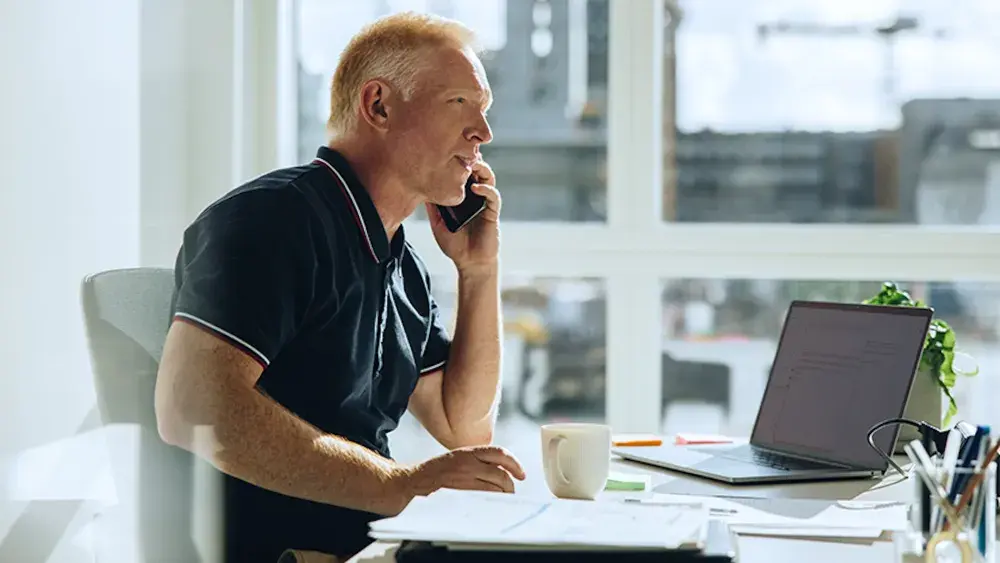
(728, 78)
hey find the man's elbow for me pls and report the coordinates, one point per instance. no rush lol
(174, 413)
(173, 423)
(171, 426)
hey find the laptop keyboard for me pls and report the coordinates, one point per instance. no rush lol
(777, 461)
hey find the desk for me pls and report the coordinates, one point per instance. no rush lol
(752, 549)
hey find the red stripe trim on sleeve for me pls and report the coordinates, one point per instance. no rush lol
(225, 335)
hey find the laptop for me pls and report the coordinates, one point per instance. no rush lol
(839, 369)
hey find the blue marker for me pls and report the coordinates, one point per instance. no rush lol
(968, 458)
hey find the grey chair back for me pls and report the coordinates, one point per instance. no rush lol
(127, 315)
(126, 318)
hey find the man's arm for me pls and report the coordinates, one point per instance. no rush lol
(458, 405)
(206, 382)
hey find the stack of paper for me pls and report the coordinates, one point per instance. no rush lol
(473, 517)
(800, 517)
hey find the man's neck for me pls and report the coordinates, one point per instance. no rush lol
(393, 201)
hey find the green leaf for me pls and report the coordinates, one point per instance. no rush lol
(930, 359)
(975, 369)
(952, 408)
(948, 339)
(947, 373)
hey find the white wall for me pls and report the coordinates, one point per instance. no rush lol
(191, 115)
(163, 126)
(118, 126)
(69, 146)
(69, 171)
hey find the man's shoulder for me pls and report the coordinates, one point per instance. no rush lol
(280, 195)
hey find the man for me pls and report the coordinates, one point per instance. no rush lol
(304, 324)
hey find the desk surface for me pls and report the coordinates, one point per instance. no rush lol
(752, 549)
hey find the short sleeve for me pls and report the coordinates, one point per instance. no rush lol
(438, 345)
(246, 271)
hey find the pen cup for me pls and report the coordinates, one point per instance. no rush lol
(973, 493)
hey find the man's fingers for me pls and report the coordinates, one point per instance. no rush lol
(491, 194)
(477, 483)
(492, 199)
(485, 485)
(499, 456)
(483, 172)
(497, 477)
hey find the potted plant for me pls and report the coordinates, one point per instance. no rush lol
(936, 375)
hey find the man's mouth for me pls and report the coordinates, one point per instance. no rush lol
(466, 162)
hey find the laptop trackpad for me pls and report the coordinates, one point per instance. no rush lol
(672, 454)
(737, 469)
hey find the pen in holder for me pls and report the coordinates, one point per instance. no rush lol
(953, 514)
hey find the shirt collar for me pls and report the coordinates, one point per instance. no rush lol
(373, 238)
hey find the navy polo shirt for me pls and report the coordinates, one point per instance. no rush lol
(295, 269)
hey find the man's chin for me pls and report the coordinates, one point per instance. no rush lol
(452, 199)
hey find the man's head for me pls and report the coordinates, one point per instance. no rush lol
(413, 88)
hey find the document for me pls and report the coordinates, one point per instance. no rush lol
(450, 516)
(852, 534)
(799, 517)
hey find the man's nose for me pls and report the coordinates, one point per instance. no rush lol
(481, 132)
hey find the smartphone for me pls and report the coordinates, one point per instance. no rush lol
(460, 215)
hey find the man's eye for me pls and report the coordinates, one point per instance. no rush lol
(460, 100)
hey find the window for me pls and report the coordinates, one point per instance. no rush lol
(546, 61)
(833, 112)
(554, 360)
(784, 159)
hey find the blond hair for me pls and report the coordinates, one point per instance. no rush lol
(392, 48)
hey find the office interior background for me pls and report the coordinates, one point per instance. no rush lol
(674, 173)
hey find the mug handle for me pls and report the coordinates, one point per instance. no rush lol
(553, 448)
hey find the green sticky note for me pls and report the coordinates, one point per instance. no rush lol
(626, 482)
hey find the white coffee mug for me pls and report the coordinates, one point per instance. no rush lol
(576, 458)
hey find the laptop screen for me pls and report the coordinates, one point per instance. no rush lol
(839, 370)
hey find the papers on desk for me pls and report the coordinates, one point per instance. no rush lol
(498, 519)
(800, 517)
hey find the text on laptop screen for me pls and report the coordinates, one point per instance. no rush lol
(839, 371)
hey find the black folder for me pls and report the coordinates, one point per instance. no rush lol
(720, 547)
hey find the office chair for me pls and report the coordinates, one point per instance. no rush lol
(126, 317)
(704, 382)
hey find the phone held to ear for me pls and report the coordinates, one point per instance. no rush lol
(460, 215)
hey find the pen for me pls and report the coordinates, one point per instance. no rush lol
(969, 458)
(977, 520)
(978, 477)
(925, 495)
(948, 460)
(950, 456)
(921, 462)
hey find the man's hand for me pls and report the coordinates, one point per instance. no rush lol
(483, 468)
(474, 248)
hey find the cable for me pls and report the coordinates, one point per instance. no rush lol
(881, 425)
(933, 438)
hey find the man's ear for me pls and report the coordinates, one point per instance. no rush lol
(375, 95)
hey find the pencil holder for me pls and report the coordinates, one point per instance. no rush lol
(965, 531)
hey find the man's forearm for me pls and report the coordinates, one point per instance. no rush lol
(255, 439)
(470, 388)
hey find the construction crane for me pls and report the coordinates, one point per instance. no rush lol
(888, 33)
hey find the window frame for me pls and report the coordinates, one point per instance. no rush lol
(635, 251)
